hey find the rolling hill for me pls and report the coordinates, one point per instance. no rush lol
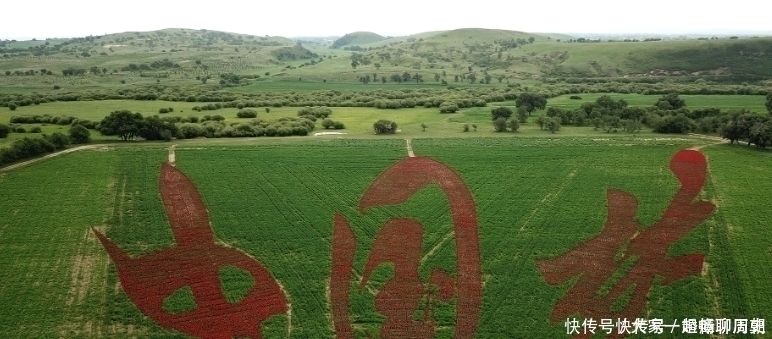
(462, 55)
(356, 38)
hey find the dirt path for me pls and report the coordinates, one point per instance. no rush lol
(172, 156)
(32, 161)
(410, 149)
(718, 141)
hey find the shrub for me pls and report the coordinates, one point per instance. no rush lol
(338, 125)
(328, 123)
(575, 97)
(79, 134)
(12, 106)
(59, 140)
(247, 113)
(35, 129)
(319, 112)
(4, 130)
(191, 130)
(385, 127)
(500, 124)
(513, 125)
(466, 128)
(163, 110)
(448, 107)
(675, 124)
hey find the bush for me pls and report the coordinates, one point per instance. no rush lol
(328, 123)
(35, 129)
(59, 140)
(448, 107)
(12, 106)
(4, 130)
(191, 131)
(385, 127)
(500, 124)
(319, 112)
(339, 125)
(79, 134)
(247, 113)
(675, 124)
(575, 97)
(466, 128)
(513, 125)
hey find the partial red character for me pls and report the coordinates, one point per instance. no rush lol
(594, 260)
(399, 242)
(195, 262)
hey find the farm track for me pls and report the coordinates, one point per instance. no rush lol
(52, 155)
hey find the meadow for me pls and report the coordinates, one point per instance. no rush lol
(536, 198)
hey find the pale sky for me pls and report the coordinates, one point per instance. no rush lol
(26, 19)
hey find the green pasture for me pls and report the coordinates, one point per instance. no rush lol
(536, 198)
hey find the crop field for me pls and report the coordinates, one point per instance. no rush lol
(338, 230)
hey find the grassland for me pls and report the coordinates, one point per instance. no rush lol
(536, 198)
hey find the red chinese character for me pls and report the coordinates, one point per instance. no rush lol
(594, 261)
(195, 261)
(399, 242)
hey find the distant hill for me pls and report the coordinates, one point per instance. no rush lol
(469, 55)
(357, 38)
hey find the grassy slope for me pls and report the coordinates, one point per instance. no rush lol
(427, 53)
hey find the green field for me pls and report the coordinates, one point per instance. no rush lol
(536, 198)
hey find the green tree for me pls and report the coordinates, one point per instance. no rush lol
(123, 123)
(500, 124)
(522, 114)
(513, 125)
(153, 128)
(79, 134)
(501, 112)
(552, 124)
(531, 102)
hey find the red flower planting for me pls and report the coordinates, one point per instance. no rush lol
(399, 242)
(195, 262)
(596, 260)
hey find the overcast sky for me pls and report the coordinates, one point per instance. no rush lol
(26, 19)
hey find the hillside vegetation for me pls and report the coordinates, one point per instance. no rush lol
(357, 38)
(188, 57)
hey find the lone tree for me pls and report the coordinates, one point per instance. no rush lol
(501, 112)
(385, 127)
(531, 102)
(123, 123)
